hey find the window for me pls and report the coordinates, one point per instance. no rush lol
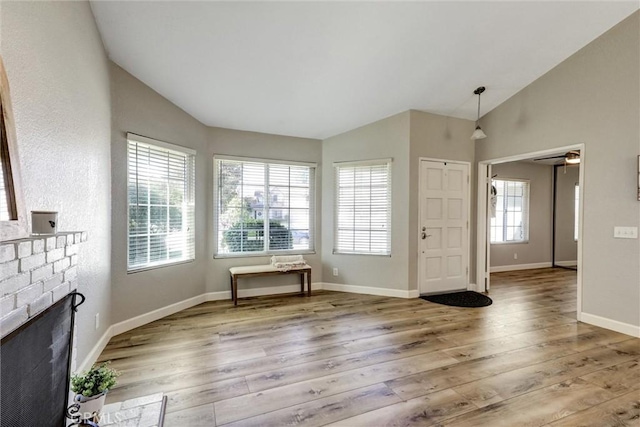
(576, 212)
(511, 222)
(363, 208)
(161, 181)
(258, 198)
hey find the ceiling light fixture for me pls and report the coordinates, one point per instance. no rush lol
(478, 133)
(572, 157)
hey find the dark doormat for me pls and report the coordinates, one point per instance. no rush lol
(460, 299)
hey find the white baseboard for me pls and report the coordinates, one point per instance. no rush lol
(614, 325)
(96, 350)
(567, 263)
(354, 289)
(532, 266)
(143, 319)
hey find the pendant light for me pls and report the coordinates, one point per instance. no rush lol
(572, 157)
(478, 133)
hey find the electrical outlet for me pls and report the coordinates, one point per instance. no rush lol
(335, 271)
(625, 232)
(97, 320)
(515, 255)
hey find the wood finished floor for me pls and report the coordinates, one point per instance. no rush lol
(343, 359)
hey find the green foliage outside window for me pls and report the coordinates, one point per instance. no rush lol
(248, 236)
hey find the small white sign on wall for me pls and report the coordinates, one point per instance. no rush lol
(44, 222)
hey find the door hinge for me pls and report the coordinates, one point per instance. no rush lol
(467, 271)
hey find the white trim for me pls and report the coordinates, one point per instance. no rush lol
(143, 319)
(515, 267)
(96, 350)
(262, 160)
(355, 289)
(154, 142)
(614, 325)
(573, 263)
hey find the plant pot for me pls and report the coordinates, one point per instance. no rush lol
(90, 407)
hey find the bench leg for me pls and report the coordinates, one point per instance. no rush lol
(302, 283)
(231, 283)
(235, 290)
(309, 282)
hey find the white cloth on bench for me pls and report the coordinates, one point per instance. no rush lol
(287, 262)
(250, 269)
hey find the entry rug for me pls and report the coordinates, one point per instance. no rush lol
(460, 299)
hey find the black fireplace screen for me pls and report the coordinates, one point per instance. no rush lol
(34, 368)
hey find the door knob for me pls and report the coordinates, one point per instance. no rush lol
(424, 235)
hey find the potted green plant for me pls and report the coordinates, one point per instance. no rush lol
(91, 389)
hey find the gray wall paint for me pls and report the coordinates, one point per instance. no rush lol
(538, 248)
(383, 139)
(59, 80)
(263, 146)
(590, 98)
(138, 109)
(436, 137)
(566, 246)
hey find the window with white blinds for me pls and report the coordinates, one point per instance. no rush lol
(363, 208)
(161, 181)
(256, 198)
(511, 221)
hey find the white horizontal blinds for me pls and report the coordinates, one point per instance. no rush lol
(256, 199)
(161, 185)
(363, 208)
(511, 223)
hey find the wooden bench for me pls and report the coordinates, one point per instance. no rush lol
(266, 270)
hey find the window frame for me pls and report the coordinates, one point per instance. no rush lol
(526, 201)
(336, 207)
(132, 137)
(312, 206)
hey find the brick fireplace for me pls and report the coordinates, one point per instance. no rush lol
(35, 272)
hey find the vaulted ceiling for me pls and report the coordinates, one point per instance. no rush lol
(316, 69)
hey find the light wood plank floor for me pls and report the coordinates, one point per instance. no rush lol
(358, 360)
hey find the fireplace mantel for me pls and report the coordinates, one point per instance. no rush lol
(35, 272)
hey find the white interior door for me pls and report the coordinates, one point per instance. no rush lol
(444, 226)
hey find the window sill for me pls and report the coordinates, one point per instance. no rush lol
(155, 266)
(519, 242)
(262, 254)
(362, 254)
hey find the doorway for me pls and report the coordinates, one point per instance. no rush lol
(443, 248)
(483, 252)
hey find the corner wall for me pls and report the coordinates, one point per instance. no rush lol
(537, 249)
(262, 146)
(592, 98)
(383, 139)
(139, 109)
(59, 78)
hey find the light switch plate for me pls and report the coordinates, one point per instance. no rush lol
(625, 232)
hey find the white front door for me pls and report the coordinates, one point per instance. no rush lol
(444, 226)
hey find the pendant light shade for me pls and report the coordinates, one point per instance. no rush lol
(478, 133)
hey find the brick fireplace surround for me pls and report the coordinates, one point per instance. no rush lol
(35, 272)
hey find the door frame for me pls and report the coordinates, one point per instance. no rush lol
(483, 220)
(418, 227)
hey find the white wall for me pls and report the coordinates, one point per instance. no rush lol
(59, 78)
(138, 109)
(538, 248)
(591, 98)
(383, 139)
(262, 146)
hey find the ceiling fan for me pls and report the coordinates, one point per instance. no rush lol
(571, 157)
